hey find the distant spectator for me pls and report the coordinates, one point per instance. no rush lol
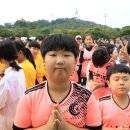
(79, 40)
(27, 62)
(39, 39)
(40, 70)
(17, 37)
(112, 51)
(85, 56)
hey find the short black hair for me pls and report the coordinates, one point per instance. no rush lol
(117, 68)
(56, 42)
(100, 56)
(39, 38)
(18, 35)
(90, 35)
(110, 48)
(34, 44)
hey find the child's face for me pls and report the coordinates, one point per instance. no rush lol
(119, 83)
(34, 51)
(59, 65)
(79, 41)
(88, 41)
(20, 57)
(114, 54)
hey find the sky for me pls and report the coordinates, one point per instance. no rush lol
(113, 13)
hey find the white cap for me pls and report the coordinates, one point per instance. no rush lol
(78, 36)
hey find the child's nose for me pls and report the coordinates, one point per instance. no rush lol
(60, 60)
(122, 82)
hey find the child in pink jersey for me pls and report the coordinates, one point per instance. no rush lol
(97, 72)
(58, 103)
(115, 108)
(85, 57)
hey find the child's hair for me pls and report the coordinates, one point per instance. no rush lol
(39, 38)
(9, 52)
(90, 35)
(100, 56)
(117, 68)
(110, 48)
(21, 47)
(18, 35)
(34, 44)
(56, 42)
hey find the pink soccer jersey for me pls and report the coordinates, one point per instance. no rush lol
(99, 76)
(87, 57)
(79, 107)
(99, 73)
(113, 115)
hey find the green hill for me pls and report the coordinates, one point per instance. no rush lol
(66, 23)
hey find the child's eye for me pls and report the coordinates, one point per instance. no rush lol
(67, 55)
(116, 79)
(52, 54)
(125, 79)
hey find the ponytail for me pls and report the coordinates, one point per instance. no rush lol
(21, 47)
(30, 57)
(14, 65)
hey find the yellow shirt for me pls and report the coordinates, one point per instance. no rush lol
(1, 71)
(40, 69)
(30, 73)
(1, 67)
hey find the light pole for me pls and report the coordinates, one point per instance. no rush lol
(51, 26)
(105, 16)
(76, 13)
(51, 16)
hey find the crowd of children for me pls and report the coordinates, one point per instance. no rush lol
(70, 83)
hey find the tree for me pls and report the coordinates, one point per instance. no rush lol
(8, 25)
(5, 32)
(21, 23)
(41, 23)
(125, 31)
(22, 31)
(97, 32)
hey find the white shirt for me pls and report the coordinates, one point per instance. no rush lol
(12, 87)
